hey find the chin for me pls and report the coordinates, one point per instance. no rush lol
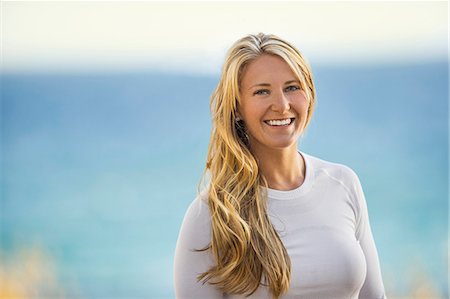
(281, 144)
(269, 142)
(284, 145)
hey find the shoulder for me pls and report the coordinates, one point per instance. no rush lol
(336, 170)
(198, 210)
(196, 226)
(328, 173)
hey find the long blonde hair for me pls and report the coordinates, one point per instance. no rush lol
(247, 249)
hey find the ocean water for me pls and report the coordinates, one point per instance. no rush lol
(99, 169)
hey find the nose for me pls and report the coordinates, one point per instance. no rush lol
(280, 103)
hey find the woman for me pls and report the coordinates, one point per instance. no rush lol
(273, 221)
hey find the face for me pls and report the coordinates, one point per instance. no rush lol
(273, 105)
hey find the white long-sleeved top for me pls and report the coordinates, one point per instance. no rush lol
(323, 224)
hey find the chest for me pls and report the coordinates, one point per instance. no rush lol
(326, 261)
(319, 235)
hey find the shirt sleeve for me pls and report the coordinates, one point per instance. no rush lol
(373, 287)
(195, 233)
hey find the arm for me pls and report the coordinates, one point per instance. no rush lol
(195, 233)
(373, 287)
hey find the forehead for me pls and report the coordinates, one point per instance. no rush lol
(267, 69)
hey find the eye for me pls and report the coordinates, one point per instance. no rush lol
(293, 88)
(261, 92)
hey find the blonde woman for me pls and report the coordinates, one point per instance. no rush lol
(273, 221)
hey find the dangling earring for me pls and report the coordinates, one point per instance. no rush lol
(241, 131)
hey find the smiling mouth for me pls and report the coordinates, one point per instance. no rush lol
(280, 122)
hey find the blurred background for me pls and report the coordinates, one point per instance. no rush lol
(105, 125)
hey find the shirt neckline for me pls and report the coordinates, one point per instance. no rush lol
(300, 190)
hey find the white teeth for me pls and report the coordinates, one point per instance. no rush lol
(283, 122)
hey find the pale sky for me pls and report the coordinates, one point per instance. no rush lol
(193, 37)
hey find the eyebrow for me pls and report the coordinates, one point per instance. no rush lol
(267, 84)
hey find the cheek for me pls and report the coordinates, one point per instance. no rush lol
(306, 106)
(301, 105)
(254, 111)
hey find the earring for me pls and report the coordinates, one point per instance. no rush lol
(241, 131)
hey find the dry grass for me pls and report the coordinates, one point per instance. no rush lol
(420, 284)
(28, 273)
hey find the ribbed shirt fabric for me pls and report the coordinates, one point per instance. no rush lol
(323, 224)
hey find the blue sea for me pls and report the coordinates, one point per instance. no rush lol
(98, 170)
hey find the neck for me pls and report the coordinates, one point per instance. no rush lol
(284, 169)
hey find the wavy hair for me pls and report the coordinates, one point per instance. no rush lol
(247, 249)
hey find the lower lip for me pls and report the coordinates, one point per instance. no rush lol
(281, 127)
